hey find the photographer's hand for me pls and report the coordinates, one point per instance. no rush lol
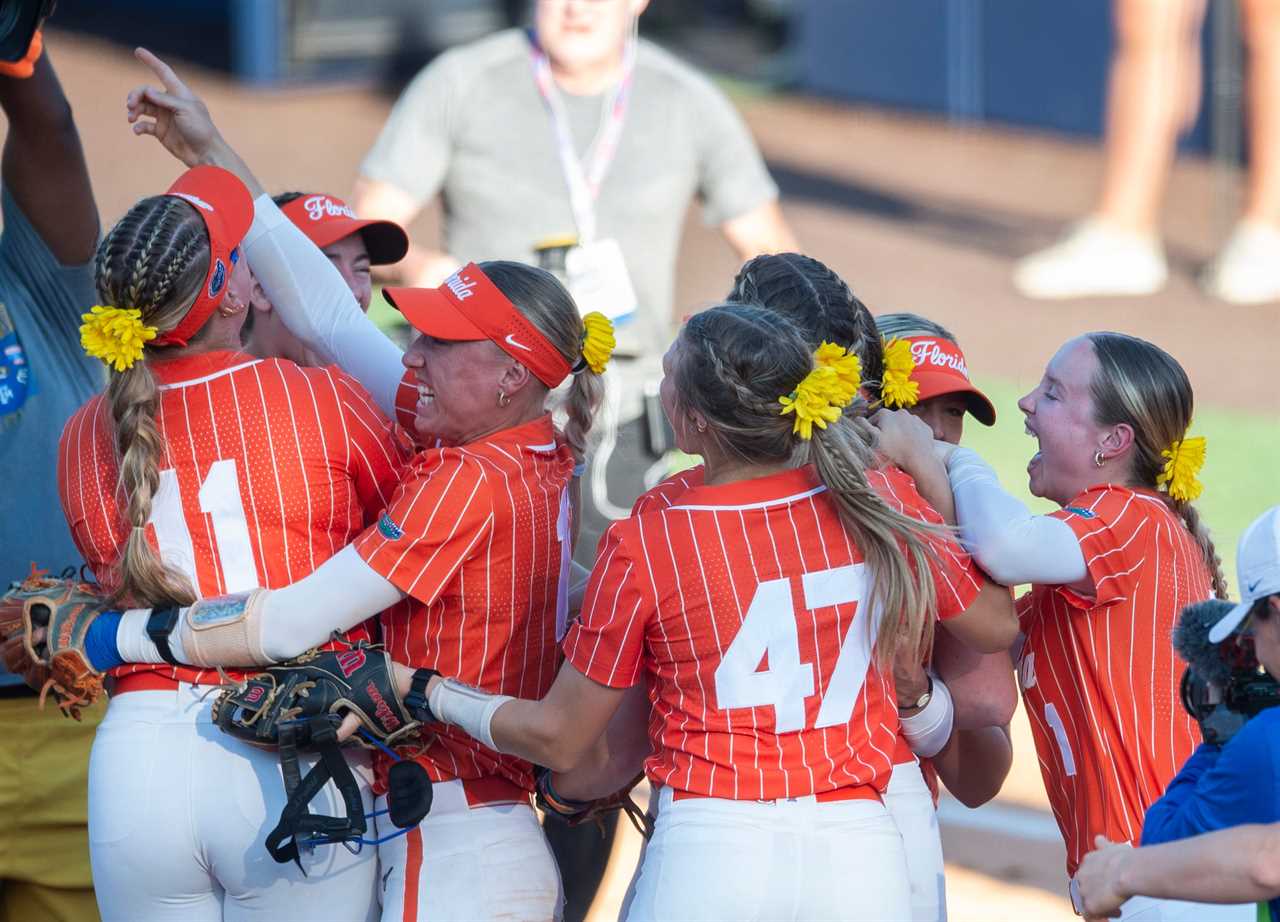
(178, 118)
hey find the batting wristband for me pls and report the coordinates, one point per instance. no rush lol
(928, 731)
(467, 708)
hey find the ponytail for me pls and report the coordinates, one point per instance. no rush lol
(144, 577)
(893, 545)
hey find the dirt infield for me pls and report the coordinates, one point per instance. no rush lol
(915, 213)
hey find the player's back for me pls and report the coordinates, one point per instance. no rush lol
(761, 645)
(267, 470)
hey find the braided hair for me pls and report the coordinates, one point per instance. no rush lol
(731, 365)
(153, 260)
(818, 301)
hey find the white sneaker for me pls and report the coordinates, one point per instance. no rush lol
(1247, 268)
(1094, 260)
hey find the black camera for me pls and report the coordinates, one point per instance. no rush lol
(19, 20)
(1224, 685)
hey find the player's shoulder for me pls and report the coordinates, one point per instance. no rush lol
(97, 409)
(1112, 505)
(668, 491)
(898, 489)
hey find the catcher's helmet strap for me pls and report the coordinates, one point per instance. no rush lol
(296, 824)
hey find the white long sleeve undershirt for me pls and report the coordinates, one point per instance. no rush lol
(336, 596)
(1011, 543)
(317, 306)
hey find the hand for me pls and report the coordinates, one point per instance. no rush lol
(402, 676)
(904, 439)
(174, 116)
(909, 677)
(1098, 878)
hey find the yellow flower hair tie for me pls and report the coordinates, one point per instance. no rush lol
(598, 341)
(115, 334)
(897, 389)
(1182, 462)
(825, 391)
(846, 365)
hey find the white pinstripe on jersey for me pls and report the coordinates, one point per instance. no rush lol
(669, 597)
(471, 535)
(1099, 676)
(314, 462)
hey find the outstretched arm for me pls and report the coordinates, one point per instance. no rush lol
(303, 285)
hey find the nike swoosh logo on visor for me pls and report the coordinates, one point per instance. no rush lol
(511, 341)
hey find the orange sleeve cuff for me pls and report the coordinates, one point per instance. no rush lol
(27, 66)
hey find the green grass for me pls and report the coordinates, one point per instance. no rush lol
(1239, 473)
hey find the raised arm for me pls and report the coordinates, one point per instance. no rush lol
(304, 287)
(43, 165)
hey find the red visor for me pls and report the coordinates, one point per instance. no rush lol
(326, 219)
(468, 307)
(226, 207)
(941, 369)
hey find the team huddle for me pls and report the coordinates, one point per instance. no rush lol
(370, 553)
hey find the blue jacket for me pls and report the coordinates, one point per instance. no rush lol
(1223, 786)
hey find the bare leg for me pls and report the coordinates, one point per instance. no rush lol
(1153, 94)
(1262, 36)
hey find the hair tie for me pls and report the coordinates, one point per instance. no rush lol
(115, 335)
(598, 343)
(825, 391)
(1183, 460)
(897, 389)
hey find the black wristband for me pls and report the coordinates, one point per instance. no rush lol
(160, 624)
(416, 701)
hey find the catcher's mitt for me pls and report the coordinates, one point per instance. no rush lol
(57, 664)
(318, 683)
(575, 812)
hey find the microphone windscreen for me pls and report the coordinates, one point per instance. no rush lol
(1191, 640)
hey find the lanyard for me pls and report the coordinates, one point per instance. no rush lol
(583, 180)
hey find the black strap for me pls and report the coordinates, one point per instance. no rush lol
(296, 822)
(160, 624)
(416, 701)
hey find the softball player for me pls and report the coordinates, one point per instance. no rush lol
(1110, 571)
(807, 291)
(748, 610)
(201, 471)
(351, 245)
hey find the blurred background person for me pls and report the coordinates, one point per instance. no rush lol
(1153, 96)
(46, 282)
(577, 146)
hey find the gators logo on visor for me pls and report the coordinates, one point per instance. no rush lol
(218, 279)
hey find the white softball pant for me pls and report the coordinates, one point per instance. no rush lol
(469, 863)
(774, 860)
(179, 813)
(911, 805)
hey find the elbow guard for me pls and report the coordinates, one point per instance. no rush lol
(225, 630)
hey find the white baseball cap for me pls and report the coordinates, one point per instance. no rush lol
(1258, 566)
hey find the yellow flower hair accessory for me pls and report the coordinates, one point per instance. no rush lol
(846, 365)
(598, 341)
(1182, 462)
(897, 389)
(824, 393)
(115, 334)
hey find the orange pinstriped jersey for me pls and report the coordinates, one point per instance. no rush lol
(739, 605)
(479, 536)
(1099, 676)
(893, 484)
(268, 470)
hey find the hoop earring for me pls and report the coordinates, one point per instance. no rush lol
(1097, 458)
(503, 399)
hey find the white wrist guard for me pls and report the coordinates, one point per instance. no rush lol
(928, 731)
(467, 708)
(225, 630)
